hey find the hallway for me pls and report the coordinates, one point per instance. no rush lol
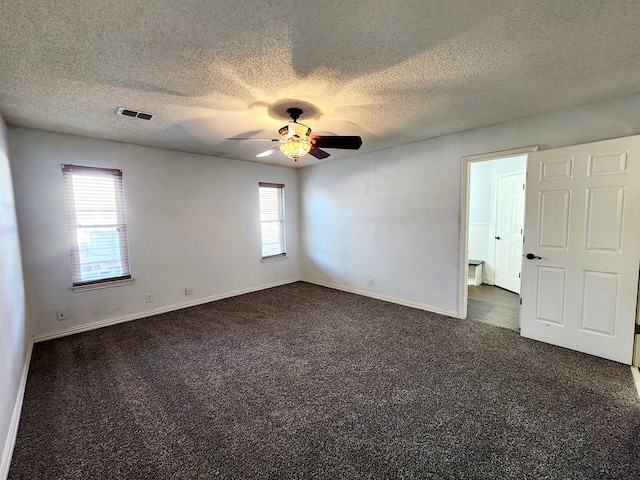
(495, 306)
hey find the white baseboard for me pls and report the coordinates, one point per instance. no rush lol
(154, 311)
(10, 442)
(177, 306)
(386, 298)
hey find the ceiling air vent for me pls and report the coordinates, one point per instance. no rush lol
(132, 113)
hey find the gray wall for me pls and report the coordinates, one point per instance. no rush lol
(14, 335)
(394, 215)
(193, 220)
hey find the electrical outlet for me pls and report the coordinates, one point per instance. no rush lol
(61, 315)
(370, 282)
(188, 291)
(277, 273)
(148, 297)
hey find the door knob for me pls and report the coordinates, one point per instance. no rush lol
(497, 238)
(531, 256)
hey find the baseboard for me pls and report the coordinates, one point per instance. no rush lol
(154, 311)
(10, 442)
(386, 298)
(636, 377)
(41, 337)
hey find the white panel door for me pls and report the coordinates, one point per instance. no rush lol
(583, 221)
(509, 225)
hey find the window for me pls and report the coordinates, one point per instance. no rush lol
(272, 219)
(94, 199)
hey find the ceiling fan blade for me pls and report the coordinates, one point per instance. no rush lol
(268, 152)
(319, 154)
(335, 141)
(254, 139)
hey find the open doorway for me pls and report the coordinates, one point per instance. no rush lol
(493, 234)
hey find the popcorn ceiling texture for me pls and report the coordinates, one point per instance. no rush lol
(391, 72)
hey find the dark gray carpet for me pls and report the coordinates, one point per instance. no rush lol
(306, 382)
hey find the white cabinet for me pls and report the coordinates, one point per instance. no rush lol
(474, 276)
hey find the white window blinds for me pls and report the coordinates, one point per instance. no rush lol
(272, 219)
(94, 199)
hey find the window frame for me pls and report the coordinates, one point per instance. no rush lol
(281, 221)
(74, 226)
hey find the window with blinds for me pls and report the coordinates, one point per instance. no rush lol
(272, 220)
(94, 199)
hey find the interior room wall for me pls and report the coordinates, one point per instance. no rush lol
(393, 216)
(482, 208)
(14, 333)
(193, 220)
(480, 205)
(385, 218)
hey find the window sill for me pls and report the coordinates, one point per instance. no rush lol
(274, 259)
(99, 286)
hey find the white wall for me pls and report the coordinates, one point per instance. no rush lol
(480, 188)
(193, 220)
(394, 215)
(391, 216)
(480, 206)
(14, 335)
(482, 185)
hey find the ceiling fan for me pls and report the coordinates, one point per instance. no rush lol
(296, 140)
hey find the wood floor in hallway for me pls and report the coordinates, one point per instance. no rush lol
(494, 305)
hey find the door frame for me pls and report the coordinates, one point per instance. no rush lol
(464, 215)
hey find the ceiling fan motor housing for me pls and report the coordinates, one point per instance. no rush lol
(295, 130)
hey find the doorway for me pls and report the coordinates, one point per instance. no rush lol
(493, 207)
(494, 305)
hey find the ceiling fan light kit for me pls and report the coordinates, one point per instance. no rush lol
(295, 148)
(296, 140)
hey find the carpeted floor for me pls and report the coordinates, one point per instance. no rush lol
(306, 382)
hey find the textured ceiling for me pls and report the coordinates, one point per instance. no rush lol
(392, 72)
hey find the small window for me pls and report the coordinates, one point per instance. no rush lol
(272, 219)
(94, 199)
